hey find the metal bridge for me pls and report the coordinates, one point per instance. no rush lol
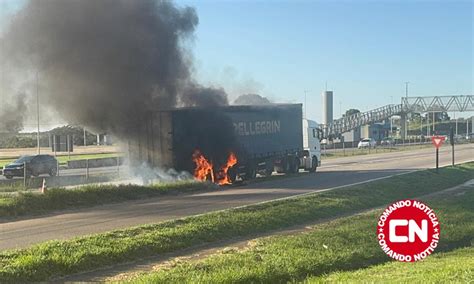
(408, 105)
(438, 104)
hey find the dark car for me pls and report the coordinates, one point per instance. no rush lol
(35, 166)
(387, 141)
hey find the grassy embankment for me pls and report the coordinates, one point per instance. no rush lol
(346, 244)
(55, 258)
(455, 266)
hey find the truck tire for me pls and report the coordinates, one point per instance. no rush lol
(269, 167)
(314, 165)
(292, 166)
(296, 166)
(250, 173)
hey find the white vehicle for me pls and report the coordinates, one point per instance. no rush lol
(311, 146)
(367, 143)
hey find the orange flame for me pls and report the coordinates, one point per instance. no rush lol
(204, 169)
(231, 161)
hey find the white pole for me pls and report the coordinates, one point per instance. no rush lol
(85, 141)
(38, 115)
(67, 146)
(421, 126)
(456, 125)
(391, 127)
(467, 126)
(428, 126)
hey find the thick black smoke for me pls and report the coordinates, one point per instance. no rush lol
(209, 130)
(105, 63)
(251, 99)
(196, 95)
(12, 115)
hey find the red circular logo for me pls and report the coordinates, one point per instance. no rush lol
(408, 230)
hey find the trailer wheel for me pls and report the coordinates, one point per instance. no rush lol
(314, 165)
(269, 167)
(292, 166)
(296, 166)
(232, 173)
(250, 173)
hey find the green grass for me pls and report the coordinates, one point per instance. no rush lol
(27, 203)
(64, 158)
(454, 266)
(343, 245)
(55, 258)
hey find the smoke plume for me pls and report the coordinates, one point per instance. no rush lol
(196, 95)
(11, 117)
(105, 63)
(251, 99)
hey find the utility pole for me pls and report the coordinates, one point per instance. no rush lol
(406, 120)
(467, 127)
(456, 123)
(391, 119)
(421, 126)
(85, 141)
(38, 115)
(305, 92)
(428, 126)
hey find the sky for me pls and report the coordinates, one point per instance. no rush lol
(364, 50)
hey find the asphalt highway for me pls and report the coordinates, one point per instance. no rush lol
(333, 173)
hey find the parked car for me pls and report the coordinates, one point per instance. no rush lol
(387, 141)
(367, 143)
(35, 166)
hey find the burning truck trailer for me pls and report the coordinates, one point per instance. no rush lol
(228, 143)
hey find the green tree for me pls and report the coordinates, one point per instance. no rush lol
(351, 111)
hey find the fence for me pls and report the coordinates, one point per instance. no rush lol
(83, 172)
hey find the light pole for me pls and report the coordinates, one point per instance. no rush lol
(305, 92)
(406, 120)
(37, 115)
(391, 119)
(456, 123)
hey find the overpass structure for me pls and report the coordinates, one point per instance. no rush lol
(408, 105)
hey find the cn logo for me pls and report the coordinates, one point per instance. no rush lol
(408, 230)
(413, 229)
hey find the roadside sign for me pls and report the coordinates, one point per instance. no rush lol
(438, 141)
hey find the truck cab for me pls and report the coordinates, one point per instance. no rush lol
(312, 135)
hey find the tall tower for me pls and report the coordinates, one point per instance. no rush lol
(327, 107)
